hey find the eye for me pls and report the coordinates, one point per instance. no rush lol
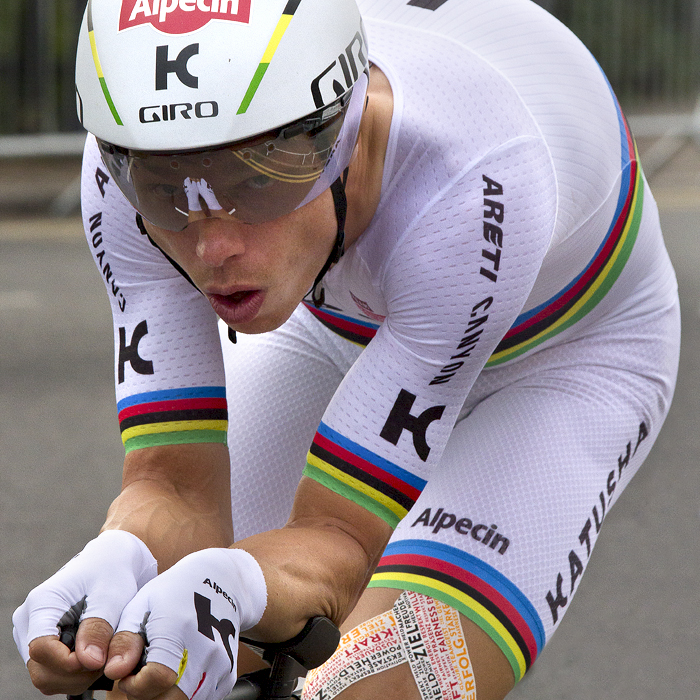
(259, 182)
(164, 191)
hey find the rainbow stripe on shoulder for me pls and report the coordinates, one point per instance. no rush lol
(582, 295)
(570, 304)
(478, 590)
(174, 417)
(362, 476)
(352, 329)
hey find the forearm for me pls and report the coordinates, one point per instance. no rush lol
(318, 564)
(174, 509)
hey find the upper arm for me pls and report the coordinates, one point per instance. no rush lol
(168, 366)
(169, 381)
(455, 279)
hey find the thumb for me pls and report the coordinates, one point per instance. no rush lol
(92, 642)
(124, 654)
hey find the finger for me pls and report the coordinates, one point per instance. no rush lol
(152, 681)
(92, 642)
(53, 655)
(51, 683)
(125, 650)
(115, 694)
(54, 669)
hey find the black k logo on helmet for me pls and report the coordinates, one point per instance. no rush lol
(165, 66)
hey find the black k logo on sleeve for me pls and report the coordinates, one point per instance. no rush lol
(401, 419)
(130, 353)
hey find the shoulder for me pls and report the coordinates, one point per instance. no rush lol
(111, 224)
(100, 197)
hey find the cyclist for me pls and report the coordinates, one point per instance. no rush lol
(431, 242)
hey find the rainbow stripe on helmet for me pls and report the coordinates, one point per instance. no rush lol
(277, 35)
(98, 67)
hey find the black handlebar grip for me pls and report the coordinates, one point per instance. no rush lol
(67, 631)
(250, 686)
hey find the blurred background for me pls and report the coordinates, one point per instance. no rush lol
(648, 48)
(632, 632)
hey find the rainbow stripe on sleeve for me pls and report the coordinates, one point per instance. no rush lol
(362, 476)
(471, 586)
(174, 417)
(584, 293)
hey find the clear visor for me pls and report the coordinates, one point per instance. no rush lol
(253, 181)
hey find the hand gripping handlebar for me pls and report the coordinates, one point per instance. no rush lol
(288, 660)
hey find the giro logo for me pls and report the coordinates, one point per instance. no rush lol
(207, 623)
(341, 74)
(181, 16)
(179, 110)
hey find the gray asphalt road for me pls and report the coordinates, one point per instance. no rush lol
(60, 452)
(633, 631)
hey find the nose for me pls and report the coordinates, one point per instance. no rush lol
(218, 239)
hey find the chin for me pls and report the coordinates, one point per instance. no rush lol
(264, 323)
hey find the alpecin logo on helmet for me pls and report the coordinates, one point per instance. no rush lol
(181, 16)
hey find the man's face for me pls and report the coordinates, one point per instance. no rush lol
(254, 275)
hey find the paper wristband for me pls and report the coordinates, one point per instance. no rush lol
(432, 637)
(419, 630)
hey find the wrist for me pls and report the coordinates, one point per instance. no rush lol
(248, 582)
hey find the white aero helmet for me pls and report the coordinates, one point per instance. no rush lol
(247, 106)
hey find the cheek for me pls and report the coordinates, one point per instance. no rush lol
(178, 246)
(307, 258)
(306, 249)
(163, 239)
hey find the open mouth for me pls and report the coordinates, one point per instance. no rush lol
(237, 297)
(238, 307)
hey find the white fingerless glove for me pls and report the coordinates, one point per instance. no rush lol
(107, 573)
(194, 613)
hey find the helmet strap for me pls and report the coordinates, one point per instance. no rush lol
(340, 203)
